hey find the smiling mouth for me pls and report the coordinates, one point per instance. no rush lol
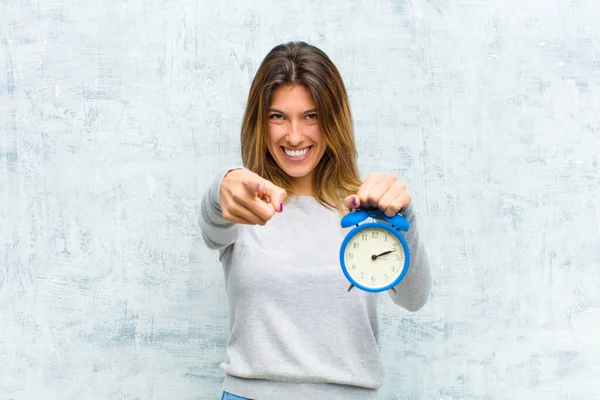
(296, 154)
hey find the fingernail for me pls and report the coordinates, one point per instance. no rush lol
(280, 207)
(258, 188)
(354, 201)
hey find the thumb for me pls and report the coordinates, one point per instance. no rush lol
(275, 194)
(352, 201)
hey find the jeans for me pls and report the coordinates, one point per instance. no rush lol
(229, 396)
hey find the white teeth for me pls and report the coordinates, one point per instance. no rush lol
(296, 153)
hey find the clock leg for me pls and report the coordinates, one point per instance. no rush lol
(350, 287)
(394, 290)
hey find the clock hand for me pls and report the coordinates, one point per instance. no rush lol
(374, 256)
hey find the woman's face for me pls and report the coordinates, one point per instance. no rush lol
(295, 141)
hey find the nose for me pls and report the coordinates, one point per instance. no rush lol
(294, 136)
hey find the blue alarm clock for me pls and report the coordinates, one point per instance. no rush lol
(374, 255)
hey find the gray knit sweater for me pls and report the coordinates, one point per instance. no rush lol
(295, 330)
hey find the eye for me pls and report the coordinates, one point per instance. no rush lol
(312, 116)
(276, 116)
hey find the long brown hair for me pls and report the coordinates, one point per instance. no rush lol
(336, 176)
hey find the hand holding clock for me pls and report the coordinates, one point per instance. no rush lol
(365, 243)
(385, 192)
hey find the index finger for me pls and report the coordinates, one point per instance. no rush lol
(363, 192)
(274, 194)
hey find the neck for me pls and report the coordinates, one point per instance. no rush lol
(303, 186)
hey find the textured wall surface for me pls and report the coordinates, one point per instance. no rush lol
(115, 115)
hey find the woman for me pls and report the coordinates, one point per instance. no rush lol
(296, 332)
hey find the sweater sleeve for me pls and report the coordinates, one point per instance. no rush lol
(217, 232)
(413, 291)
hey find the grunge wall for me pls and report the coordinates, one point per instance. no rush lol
(116, 115)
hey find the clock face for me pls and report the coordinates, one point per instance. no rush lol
(374, 257)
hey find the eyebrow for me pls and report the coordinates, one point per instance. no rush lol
(312, 110)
